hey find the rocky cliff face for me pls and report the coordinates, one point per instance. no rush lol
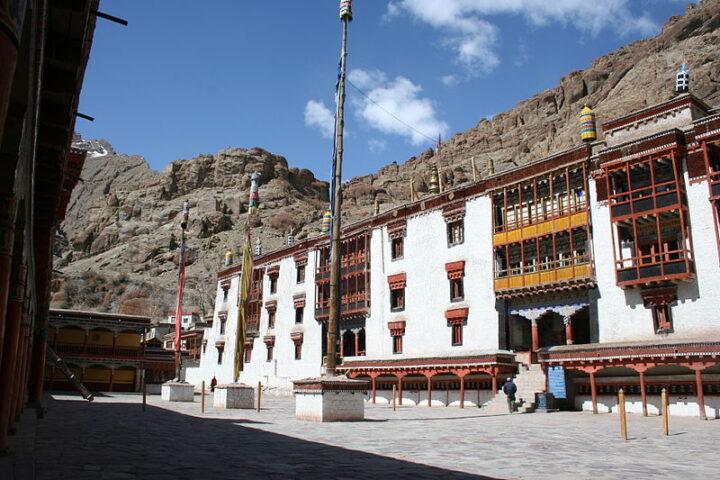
(118, 245)
(122, 225)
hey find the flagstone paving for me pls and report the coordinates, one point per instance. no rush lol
(112, 438)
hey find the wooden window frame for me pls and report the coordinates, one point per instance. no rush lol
(397, 248)
(247, 353)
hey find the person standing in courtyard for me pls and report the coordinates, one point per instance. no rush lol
(509, 389)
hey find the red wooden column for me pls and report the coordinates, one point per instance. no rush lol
(494, 373)
(429, 388)
(11, 342)
(373, 376)
(593, 392)
(400, 376)
(461, 374)
(641, 369)
(643, 393)
(569, 337)
(699, 367)
(112, 375)
(535, 339)
(700, 393)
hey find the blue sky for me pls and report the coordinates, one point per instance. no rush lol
(182, 80)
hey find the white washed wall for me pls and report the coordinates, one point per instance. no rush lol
(279, 373)
(427, 292)
(621, 314)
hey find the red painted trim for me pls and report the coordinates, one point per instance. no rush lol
(457, 314)
(455, 270)
(397, 281)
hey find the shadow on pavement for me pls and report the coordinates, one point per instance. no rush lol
(117, 440)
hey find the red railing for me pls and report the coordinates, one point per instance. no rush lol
(666, 265)
(543, 216)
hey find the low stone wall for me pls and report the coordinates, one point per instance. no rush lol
(680, 406)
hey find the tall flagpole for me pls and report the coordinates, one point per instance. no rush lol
(180, 291)
(334, 310)
(245, 281)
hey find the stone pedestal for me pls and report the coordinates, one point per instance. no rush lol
(177, 392)
(330, 399)
(234, 395)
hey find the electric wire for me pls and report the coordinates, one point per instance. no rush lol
(389, 113)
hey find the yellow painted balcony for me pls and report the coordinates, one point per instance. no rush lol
(530, 278)
(546, 227)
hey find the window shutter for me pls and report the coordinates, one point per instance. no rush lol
(601, 187)
(696, 164)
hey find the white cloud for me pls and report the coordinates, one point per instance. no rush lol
(415, 116)
(377, 146)
(317, 115)
(450, 80)
(473, 39)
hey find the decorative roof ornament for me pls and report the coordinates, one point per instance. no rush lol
(682, 79)
(434, 186)
(229, 258)
(254, 196)
(490, 166)
(346, 10)
(258, 247)
(588, 126)
(326, 222)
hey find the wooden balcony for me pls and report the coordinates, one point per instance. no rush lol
(353, 305)
(646, 200)
(674, 265)
(546, 227)
(551, 273)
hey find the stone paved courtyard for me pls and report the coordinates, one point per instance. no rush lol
(112, 438)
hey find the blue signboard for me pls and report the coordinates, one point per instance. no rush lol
(556, 381)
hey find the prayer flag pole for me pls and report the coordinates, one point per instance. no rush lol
(245, 281)
(334, 307)
(333, 398)
(180, 291)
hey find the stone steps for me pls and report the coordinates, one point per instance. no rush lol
(530, 380)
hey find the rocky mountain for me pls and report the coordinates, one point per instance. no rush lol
(118, 244)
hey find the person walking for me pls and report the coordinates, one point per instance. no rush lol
(509, 389)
